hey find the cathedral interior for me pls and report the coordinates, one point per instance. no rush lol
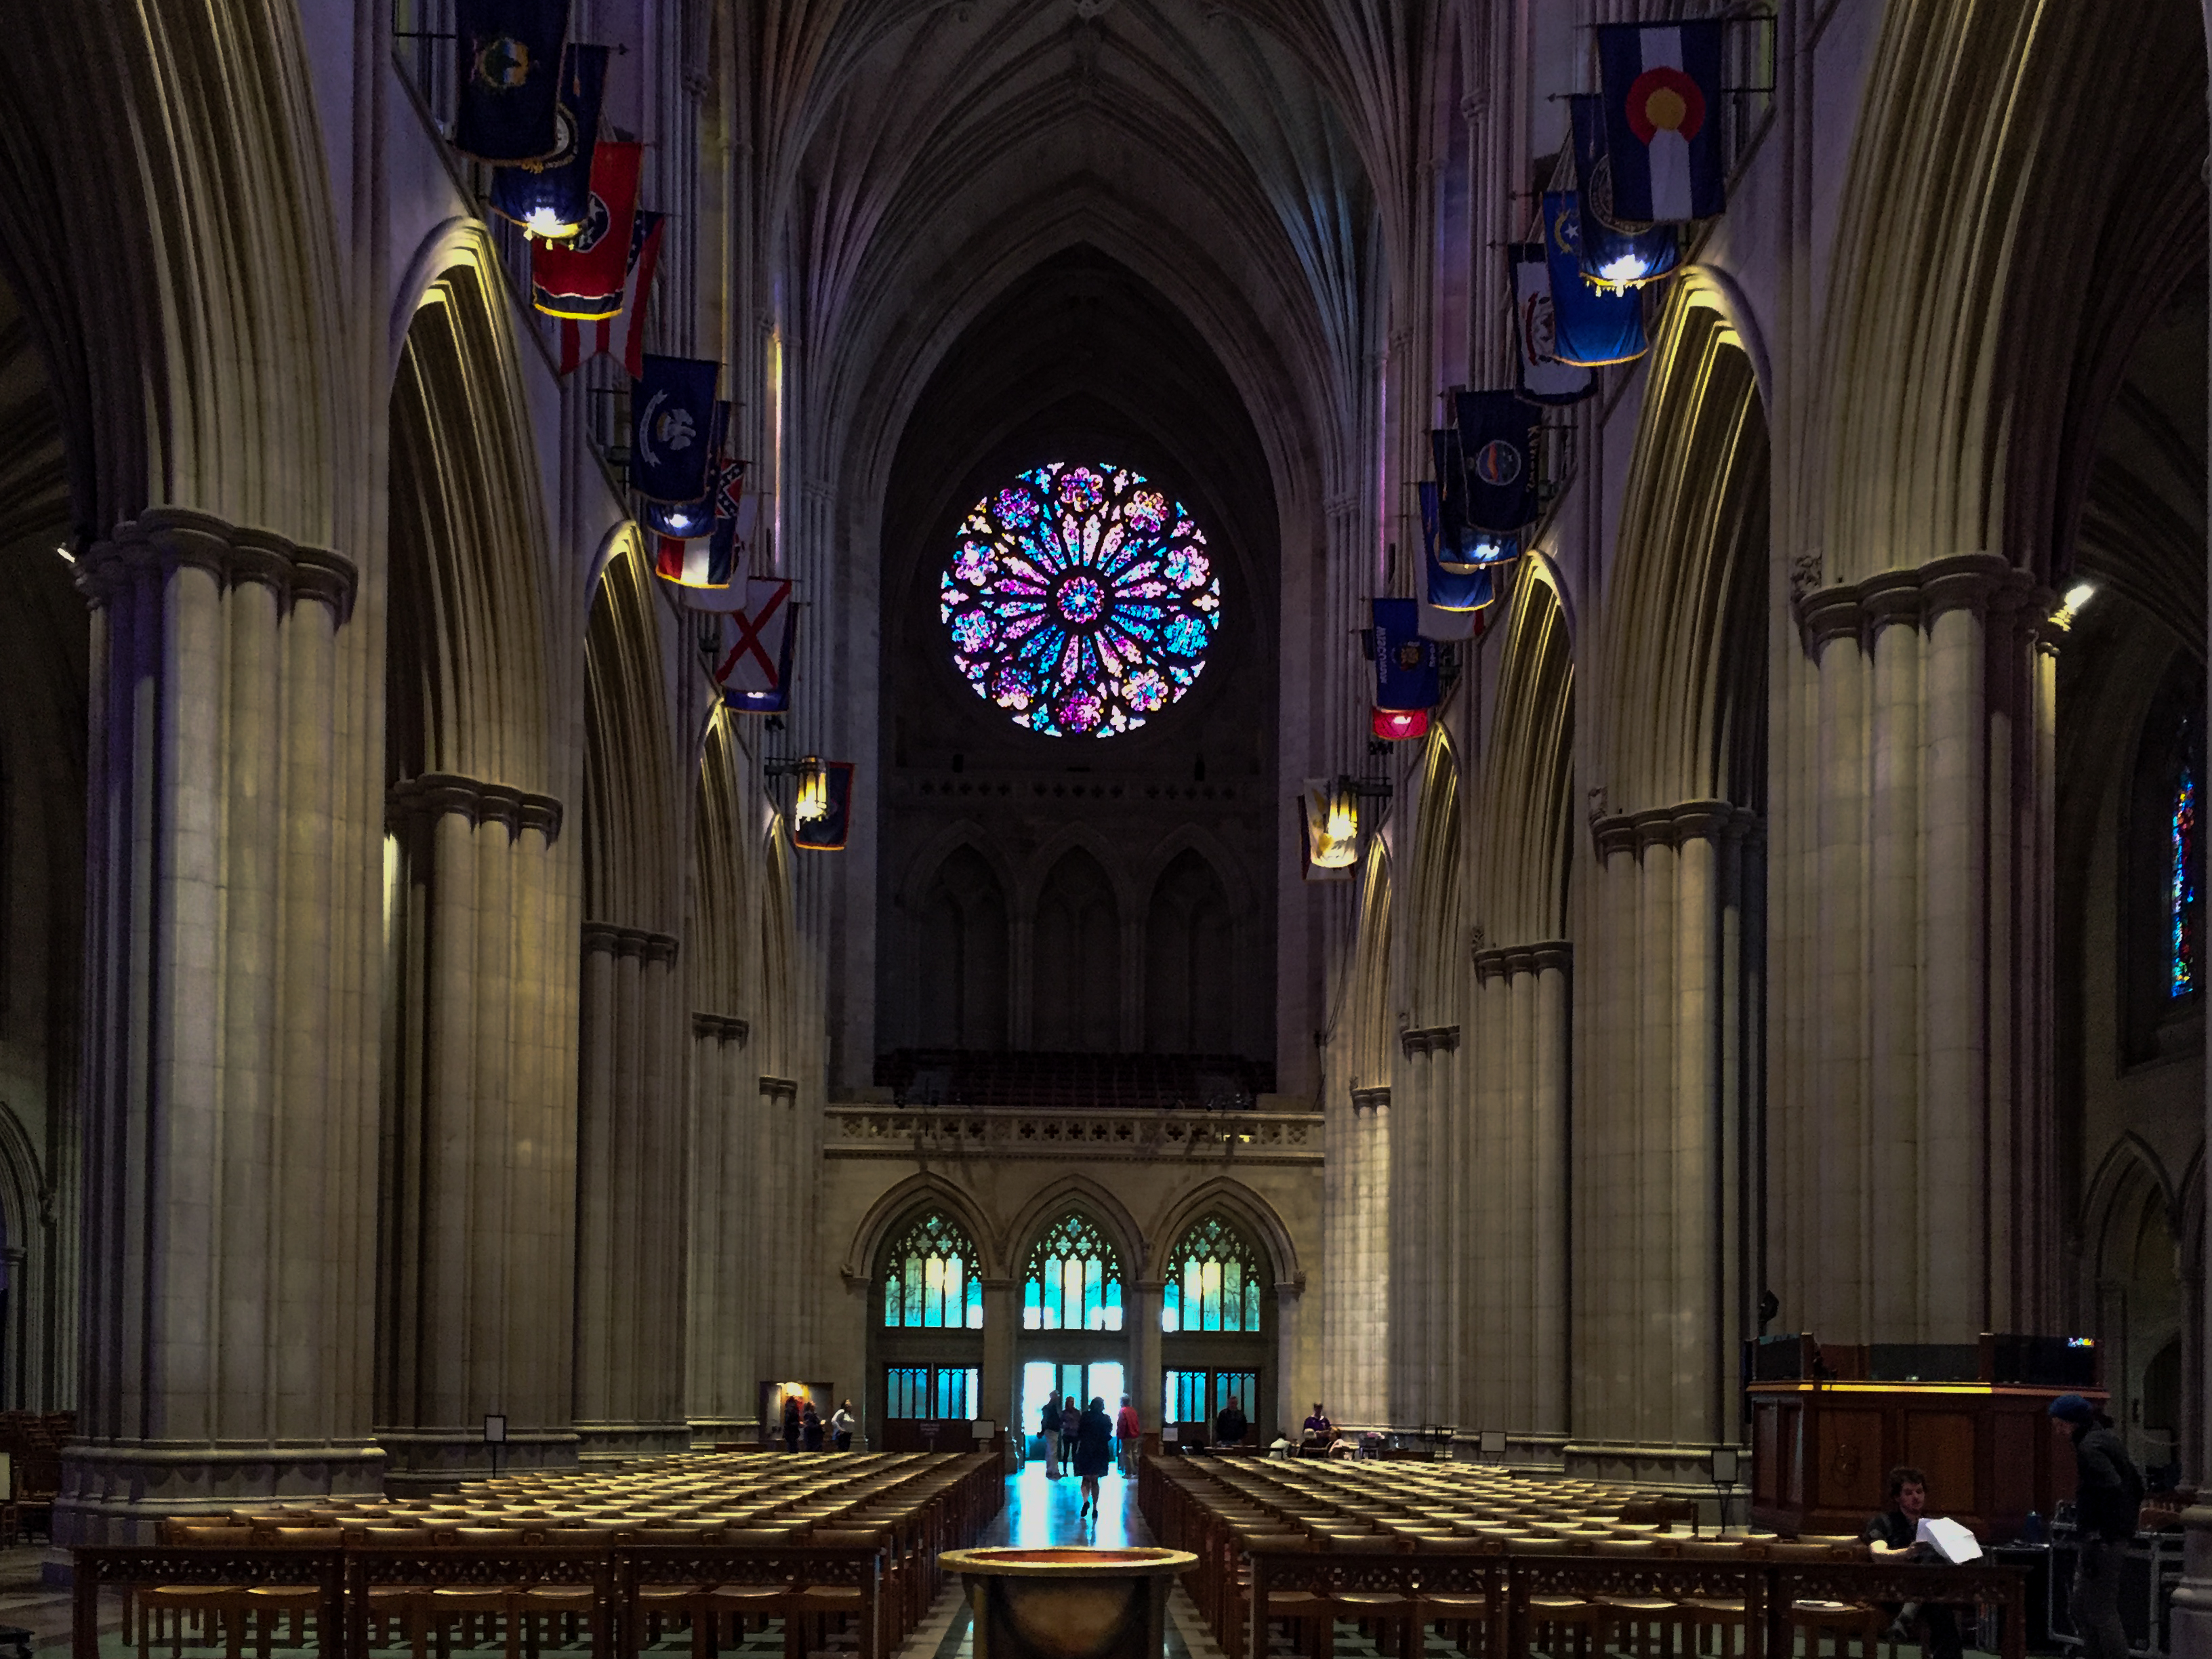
(435, 990)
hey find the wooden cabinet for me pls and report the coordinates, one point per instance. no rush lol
(1821, 1453)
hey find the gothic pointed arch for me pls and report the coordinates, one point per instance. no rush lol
(1524, 802)
(1076, 958)
(1190, 960)
(1094, 1204)
(896, 1210)
(631, 865)
(1437, 960)
(1260, 1221)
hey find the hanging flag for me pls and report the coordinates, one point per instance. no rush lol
(1663, 109)
(729, 501)
(1611, 256)
(552, 197)
(1461, 545)
(1329, 821)
(1398, 725)
(1497, 447)
(623, 333)
(752, 656)
(1591, 325)
(1441, 625)
(1544, 377)
(692, 518)
(586, 277)
(1405, 664)
(673, 446)
(510, 61)
(823, 813)
(1455, 586)
(703, 563)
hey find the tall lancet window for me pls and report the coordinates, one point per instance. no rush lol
(2181, 884)
(1074, 1281)
(1213, 1281)
(929, 1279)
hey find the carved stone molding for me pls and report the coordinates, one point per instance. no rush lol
(1510, 961)
(1673, 826)
(782, 1089)
(611, 940)
(1429, 1040)
(1376, 1099)
(1171, 1135)
(435, 794)
(1982, 583)
(727, 1028)
(162, 539)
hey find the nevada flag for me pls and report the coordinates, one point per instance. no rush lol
(1662, 118)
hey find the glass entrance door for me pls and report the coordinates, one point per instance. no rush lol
(1084, 1380)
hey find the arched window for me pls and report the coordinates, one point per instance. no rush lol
(929, 1279)
(1213, 1281)
(1074, 1281)
(2181, 882)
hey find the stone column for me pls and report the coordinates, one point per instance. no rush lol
(718, 1347)
(1548, 1192)
(783, 1247)
(1368, 1371)
(1002, 1317)
(216, 1148)
(1145, 1376)
(480, 1171)
(1290, 1409)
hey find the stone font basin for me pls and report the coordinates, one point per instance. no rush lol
(1069, 1602)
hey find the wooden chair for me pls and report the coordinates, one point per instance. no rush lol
(1645, 1615)
(1470, 1613)
(1721, 1614)
(813, 1605)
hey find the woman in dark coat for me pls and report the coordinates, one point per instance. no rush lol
(790, 1423)
(1094, 1451)
(810, 1426)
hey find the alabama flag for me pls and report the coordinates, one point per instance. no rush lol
(752, 662)
(1663, 118)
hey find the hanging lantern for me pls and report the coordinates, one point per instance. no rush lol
(1332, 824)
(824, 814)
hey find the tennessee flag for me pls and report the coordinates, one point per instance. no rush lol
(623, 333)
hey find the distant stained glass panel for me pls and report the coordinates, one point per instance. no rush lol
(1081, 599)
(1074, 1281)
(929, 1279)
(2181, 886)
(1213, 1281)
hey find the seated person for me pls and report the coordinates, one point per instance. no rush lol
(1318, 1431)
(1895, 1535)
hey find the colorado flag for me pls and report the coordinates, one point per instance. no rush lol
(1662, 117)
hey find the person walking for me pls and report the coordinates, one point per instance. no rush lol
(1071, 1424)
(2108, 1489)
(1048, 1426)
(1094, 1450)
(841, 1425)
(790, 1422)
(809, 1425)
(1127, 1434)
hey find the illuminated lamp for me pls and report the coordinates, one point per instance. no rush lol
(1332, 824)
(824, 814)
(685, 520)
(1399, 725)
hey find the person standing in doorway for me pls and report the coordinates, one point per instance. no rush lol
(1094, 1451)
(1128, 1432)
(790, 1423)
(2108, 1489)
(840, 1427)
(1048, 1426)
(1071, 1425)
(1229, 1427)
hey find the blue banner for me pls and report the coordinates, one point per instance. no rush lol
(1497, 452)
(553, 198)
(1543, 378)
(1453, 587)
(1591, 326)
(674, 434)
(1610, 254)
(1406, 675)
(508, 54)
(692, 518)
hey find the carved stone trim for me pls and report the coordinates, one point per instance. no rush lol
(1375, 1099)
(1671, 826)
(435, 794)
(612, 938)
(1509, 961)
(727, 1028)
(1429, 1040)
(1169, 1135)
(166, 539)
(1978, 581)
(779, 1088)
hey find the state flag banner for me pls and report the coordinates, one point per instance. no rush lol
(690, 564)
(1460, 545)
(1591, 325)
(674, 442)
(552, 197)
(822, 822)
(1406, 671)
(508, 60)
(1399, 725)
(752, 658)
(622, 334)
(586, 277)
(1544, 379)
(1497, 450)
(1662, 119)
(1610, 255)
(1454, 586)
(693, 518)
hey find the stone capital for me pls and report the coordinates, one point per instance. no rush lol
(1429, 1040)
(435, 794)
(1375, 1099)
(1704, 820)
(782, 1089)
(1962, 581)
(661, 948)
(162, 539)
(726, 1027)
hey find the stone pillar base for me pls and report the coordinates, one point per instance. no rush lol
(118, 1493)
(602, 1444)
(2192, 1597)
(422, 1461)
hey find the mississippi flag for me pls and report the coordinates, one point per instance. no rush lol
(623, 333)
(703, 563)
(753, 659)
(1662, 119)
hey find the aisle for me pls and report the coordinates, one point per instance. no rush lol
(1043, 1512)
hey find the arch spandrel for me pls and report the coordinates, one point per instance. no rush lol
(897, 1209)
(1259, 1220)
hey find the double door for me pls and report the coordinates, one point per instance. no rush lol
(1085, 1380)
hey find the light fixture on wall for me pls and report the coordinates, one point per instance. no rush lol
(2077, 596)
(1332, 823)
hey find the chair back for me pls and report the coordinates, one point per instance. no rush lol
(314, 1538)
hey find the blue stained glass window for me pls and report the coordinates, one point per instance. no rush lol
(929, 1279)
(1213, 1281)
(2181, 884)
(1074, 1281)
(1081, 599)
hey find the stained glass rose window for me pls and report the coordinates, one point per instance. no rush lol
(1081, 599)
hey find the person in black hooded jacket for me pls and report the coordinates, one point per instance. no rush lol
(2108, 1489)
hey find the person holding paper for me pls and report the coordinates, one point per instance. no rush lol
(1894, 1535)
(2108, 1489)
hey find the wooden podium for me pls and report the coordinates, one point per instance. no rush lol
(1822, 1451)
